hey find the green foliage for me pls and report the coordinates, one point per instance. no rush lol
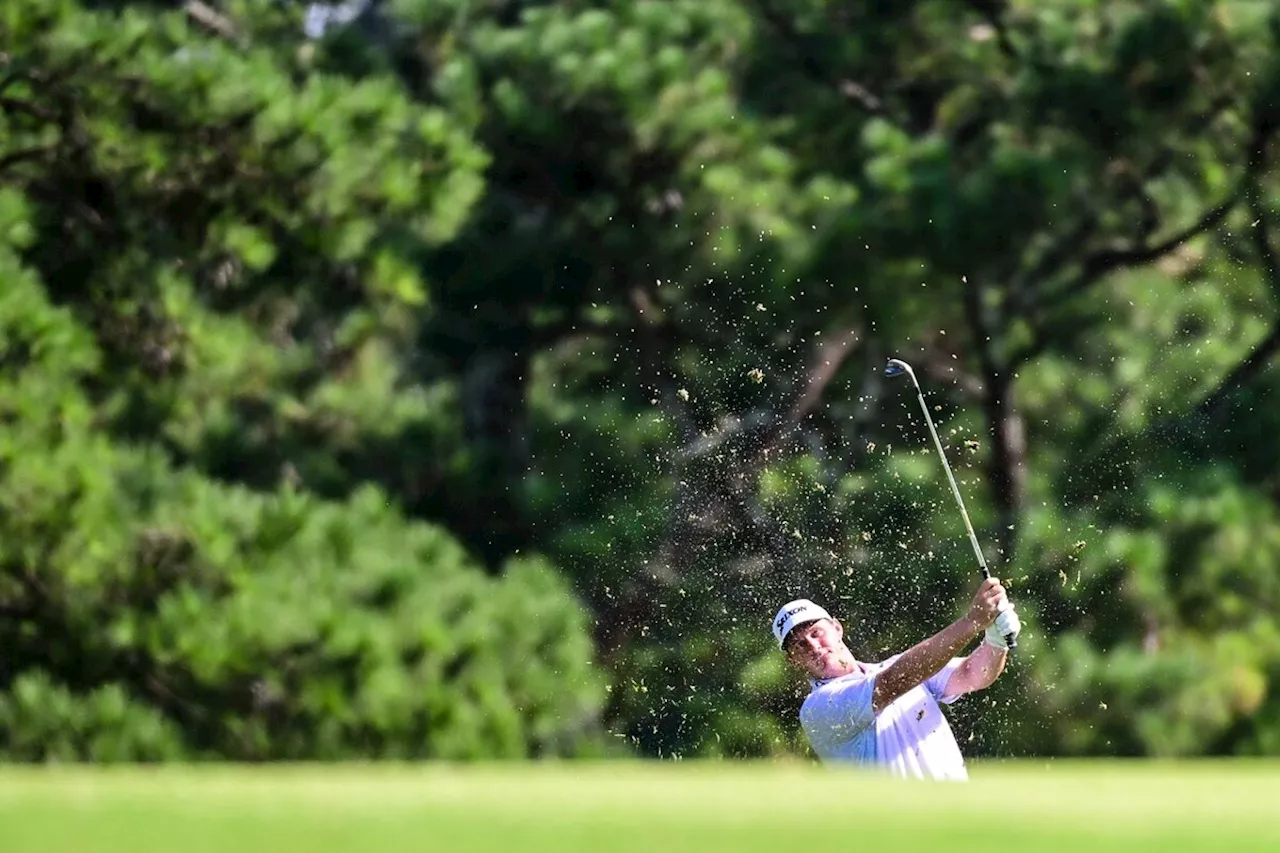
(155, 614)
(187, 227)
(335, 372)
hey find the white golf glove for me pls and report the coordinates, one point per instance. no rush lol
(1006, 623)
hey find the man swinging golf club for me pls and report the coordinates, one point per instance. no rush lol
(887, 714)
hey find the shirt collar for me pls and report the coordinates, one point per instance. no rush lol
(863, 669)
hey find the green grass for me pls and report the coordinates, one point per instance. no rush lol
(1028, 807)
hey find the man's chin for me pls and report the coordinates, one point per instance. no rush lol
(835, 668)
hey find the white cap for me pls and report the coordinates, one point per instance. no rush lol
(792, 614)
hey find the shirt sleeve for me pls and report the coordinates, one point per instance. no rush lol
(937, 683)
(840, 709)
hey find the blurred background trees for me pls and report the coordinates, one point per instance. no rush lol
(464, 378)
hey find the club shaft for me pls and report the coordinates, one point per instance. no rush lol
(895, 368)
(955, 490)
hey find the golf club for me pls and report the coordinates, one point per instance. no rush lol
(897, 367)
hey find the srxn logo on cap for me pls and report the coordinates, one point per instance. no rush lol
(793, 613)
(782, 620)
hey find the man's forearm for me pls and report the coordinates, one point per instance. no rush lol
(979, 670)
(922, 660)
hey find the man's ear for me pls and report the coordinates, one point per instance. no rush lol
(839, 629)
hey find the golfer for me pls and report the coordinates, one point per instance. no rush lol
(887, 714)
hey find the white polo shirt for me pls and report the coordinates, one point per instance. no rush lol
(910, 738)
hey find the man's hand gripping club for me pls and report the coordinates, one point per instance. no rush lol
(1006, 626)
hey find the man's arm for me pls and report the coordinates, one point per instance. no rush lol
(979, 670)
(985, 664)
(921, 661)
(924, 659)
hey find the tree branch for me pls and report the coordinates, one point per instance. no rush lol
(1056, 256)
(1257, 360)
(828, 356)
(719, 495)
(769, 424)
(18, 105)
(990, 13)
(13, 158)
(939, 364)
(213, 20)
(813, 70)
(1109, 260)
(1094, 267)
(1243, 373)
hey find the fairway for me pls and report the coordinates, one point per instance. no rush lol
(1032, 806)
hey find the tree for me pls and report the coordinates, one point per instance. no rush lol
(210, 278)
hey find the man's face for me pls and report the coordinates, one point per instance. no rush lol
(818, 648)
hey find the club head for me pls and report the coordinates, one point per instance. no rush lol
(896, 367)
